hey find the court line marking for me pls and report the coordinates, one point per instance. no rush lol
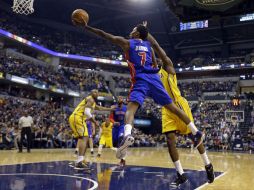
(154, 172)
(95, 184)
(41, 162)
(205, 184)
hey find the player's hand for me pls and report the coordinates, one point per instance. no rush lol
(145, 23)
(76, 23)
(97, 124)
(113, 108)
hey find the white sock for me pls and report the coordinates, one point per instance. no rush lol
(100, 149)
(80, 159)
(205, 158)
(91, 149)
(76, 149)
(179, 167)
(193, 128)
(127, 129)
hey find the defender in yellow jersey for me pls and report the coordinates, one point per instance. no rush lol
(77, 122)
(171, 123)
(78, 118)
(105, 136)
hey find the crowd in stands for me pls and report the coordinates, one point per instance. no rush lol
(212, 59)
(69, 42)
(86, 81)
(208, 118)
(51, 128)
(188, 89)
(17, 92)
(198, 87)
(75, 42)
(27, 69)
(61, 77)
(122, 82)
(49, 119)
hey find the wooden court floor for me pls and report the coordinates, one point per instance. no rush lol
(237, 168)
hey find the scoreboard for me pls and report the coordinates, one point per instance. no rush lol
(193, 25)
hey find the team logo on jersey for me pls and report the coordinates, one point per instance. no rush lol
(214, 2)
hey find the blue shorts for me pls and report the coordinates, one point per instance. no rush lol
(89, 128)
(149, 85)
(117, 133)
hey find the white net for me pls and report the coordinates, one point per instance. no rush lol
(23, 6)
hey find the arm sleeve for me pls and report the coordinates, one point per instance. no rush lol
(88, 113)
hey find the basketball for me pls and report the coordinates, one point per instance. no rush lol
(80, 16)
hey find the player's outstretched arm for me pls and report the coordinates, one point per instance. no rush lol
(167, 63)
(118, 40)
(101, 108)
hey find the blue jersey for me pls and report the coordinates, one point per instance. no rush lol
(139, 58)
(119, 113)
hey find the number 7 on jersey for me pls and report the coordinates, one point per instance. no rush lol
(143, 57)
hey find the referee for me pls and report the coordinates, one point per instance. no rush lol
(25, 123)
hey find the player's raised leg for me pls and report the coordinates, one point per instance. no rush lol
(198, 136)
(128, 140)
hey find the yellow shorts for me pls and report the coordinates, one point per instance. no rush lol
(78, 126)
(107, 141)
(171, 122)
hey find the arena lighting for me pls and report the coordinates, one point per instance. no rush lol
(58, 90)
(19, 80)
(197, 68)
(100, 98)
(211, 67)
(43, 86)
(142, 122)
(141, 1)
(73, 93)
(57, 54)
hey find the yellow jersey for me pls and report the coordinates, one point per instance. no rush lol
(169, 82)
(79, 110)
(106, 130)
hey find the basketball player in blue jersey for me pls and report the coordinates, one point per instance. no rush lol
(117, 118)
(145, 81)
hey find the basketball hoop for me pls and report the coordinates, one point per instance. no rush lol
(23, 6)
